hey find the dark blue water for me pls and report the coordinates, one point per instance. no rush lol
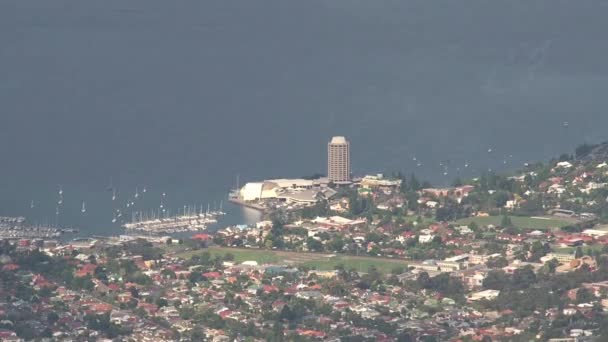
(182, 96)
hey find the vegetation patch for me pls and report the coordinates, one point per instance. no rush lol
(517, 221)
(357, 263)
(240, 255)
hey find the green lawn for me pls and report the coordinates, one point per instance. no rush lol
(414, 218)
(518, 221)
(312, 260)
(359, 264)
(260, 255)
(587, 250)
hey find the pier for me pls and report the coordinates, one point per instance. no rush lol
(189, 221)
(17, 228)
(251, 205)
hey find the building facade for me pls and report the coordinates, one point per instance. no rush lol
(338, 160)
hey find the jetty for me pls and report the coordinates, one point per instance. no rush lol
(157, 223)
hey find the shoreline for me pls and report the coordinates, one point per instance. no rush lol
(247, 205)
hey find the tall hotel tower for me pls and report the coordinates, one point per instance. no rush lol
(338, 160)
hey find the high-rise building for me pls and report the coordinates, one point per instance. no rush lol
(338, 160)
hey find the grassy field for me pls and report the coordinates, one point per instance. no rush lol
(414, 218)
(518, 221)
(240, 255)
(318, 261)
(359, 264)
(587, 250)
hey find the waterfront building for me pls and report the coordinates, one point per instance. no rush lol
(379, 181)
(338, 160)
(273, 188)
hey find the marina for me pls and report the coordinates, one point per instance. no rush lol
(160, 222)
(17, 228)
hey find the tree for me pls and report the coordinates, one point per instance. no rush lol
(550, 266)
(160, 302)
(412, 200)
(336, 244)
(414, 184)
(314, 245)
(52, 317)
(578, 253)
(524, 277)
(500, 198)
(506, 221)
(583, 295)
(287, 314)
(496, 280)
(423, 280)
(498, 262)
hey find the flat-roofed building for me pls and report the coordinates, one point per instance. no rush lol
(379, 180)
(449, 266)
(562, 258)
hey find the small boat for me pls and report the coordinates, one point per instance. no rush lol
(113, 194)
(144, 190)
(60, 191)
(32, 205)
(136, 193)
(84, 208)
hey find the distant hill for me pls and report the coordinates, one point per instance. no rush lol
(590, 152)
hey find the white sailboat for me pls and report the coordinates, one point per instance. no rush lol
(113, 194)
(32, 204)
(60, 201)
(136, 193)
(84, 207)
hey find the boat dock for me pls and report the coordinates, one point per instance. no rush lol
(189, 221)
(17, 228)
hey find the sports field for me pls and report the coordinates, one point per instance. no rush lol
(318, 261)
(540, 223)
